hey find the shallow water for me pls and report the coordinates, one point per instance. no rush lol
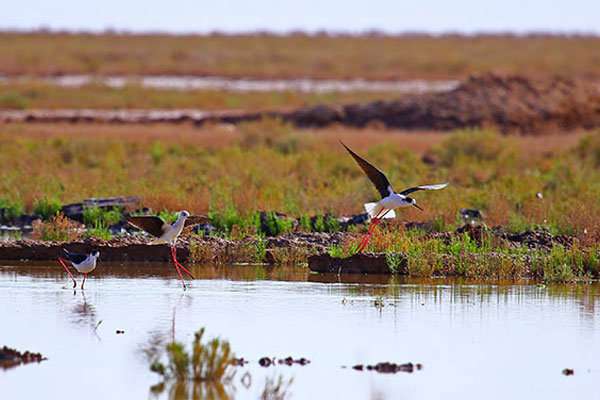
(250, 85)
(474, 340)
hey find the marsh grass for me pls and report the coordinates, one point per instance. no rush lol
(10, 209)
(294, 255)
(306, 176)
(210, 361)
(488, 257)
(58, 228)
(46, 207)
(205, 370)
(98, 220)
(295, 55)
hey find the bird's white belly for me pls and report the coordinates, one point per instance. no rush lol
(392, 202)
(86, 267)
(170, 235)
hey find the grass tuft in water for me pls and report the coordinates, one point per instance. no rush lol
(207, 368)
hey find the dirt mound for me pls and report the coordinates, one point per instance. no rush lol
(511, 103)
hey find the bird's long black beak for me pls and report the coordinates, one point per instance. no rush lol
(414, 204)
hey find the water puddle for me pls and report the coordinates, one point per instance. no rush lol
(248, 85)
(473, 340)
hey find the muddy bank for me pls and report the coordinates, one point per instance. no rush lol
(193, 248)
(509, 103)
(369, 263)
(289, 248)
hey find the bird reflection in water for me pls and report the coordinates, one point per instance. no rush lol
(84, 313)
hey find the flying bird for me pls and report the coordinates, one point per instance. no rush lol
(83, 263)
(390, 200)
(166, 233)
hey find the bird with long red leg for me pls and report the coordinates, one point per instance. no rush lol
(83, 263)
(164, 233)
(390, 200)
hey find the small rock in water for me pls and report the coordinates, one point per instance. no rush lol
(265, 362)
(120, 332)
(390, 367)
(239, 362)
(568, 371)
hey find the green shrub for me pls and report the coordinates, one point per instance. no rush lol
(99, 218)
(275, 225)
(472, 145)
(47, 207)
(11, 209)
(98, 233)
(13, 100)
(260, 246)
(168, 216)
(224, 221)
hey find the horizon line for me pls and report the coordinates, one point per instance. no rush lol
(374, 32)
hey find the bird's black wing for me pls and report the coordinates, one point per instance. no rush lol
(75, 258)
(151, 224)
(423, 187)
(195, 220)
(376, 176)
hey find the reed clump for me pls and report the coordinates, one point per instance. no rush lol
(59, 228)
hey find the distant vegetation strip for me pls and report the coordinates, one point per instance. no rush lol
(374, 57)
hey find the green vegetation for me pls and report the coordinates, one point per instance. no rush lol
(550, 183)
(207, 369)
(10, 209)
(47, 207)
(486, 258)
(98, 221)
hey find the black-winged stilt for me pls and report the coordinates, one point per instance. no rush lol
(164, 233)
(390, 200)
(83, 263)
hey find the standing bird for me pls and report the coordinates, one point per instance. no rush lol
(390, 200)
(165, 234)
(83, 263)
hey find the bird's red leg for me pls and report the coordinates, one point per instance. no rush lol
(83, 283)
(374, 222)
(177, 267)
(180, 265)
(379, 220)
(62, 262)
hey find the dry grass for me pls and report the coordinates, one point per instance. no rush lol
(271, 166)
(29, 95)
(318, 56)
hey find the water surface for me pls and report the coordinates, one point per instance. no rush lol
(249, 85)
(474, 340)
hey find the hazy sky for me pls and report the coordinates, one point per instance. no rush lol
(280, 15)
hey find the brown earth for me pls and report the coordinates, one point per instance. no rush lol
(510, 103)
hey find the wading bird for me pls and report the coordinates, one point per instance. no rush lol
(83, 263)
(390, 200)
(164, 233)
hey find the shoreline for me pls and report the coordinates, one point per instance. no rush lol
(537, 255)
